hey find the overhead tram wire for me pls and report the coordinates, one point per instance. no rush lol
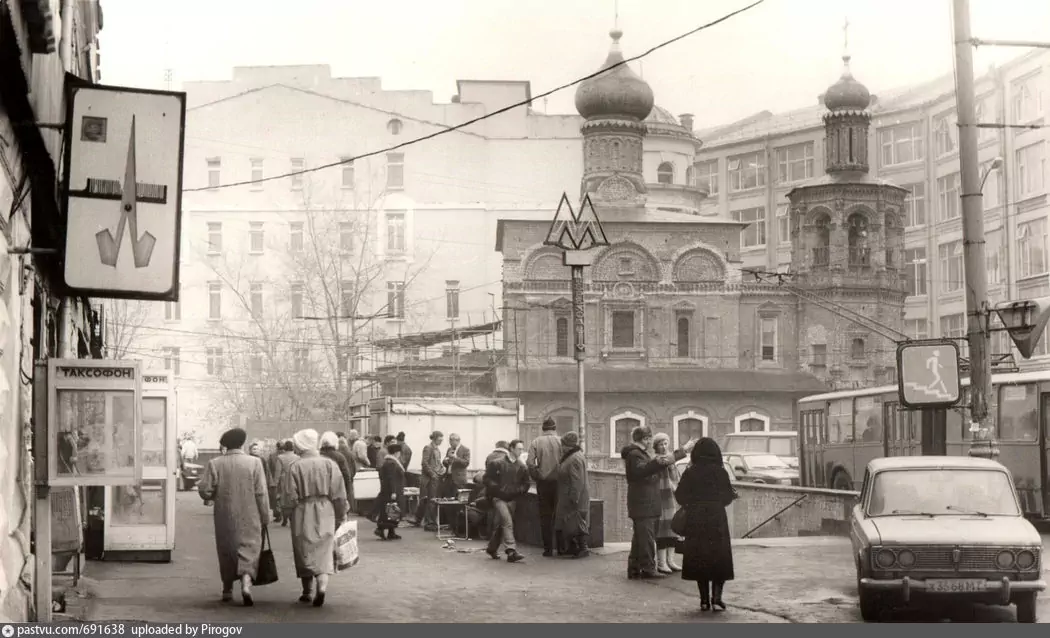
(462, 125)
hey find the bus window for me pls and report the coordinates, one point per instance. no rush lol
(868, 419)
(1018, 413)
(840, 421)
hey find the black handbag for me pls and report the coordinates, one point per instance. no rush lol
(678, 521)
(267, 571)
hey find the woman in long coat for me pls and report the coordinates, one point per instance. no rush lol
(391, 490)
(665, 537)
(351, 465)
(705, 492)
(236, 483)
(330, 448)
(572, 517)
(313, 495)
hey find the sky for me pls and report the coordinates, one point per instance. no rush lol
(777, 56)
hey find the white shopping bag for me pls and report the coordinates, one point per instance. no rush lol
(346, 552)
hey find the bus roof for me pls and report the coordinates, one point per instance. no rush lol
(1011, 378)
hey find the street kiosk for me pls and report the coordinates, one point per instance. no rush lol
(140, 519)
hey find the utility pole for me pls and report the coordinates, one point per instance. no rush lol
(982, 425)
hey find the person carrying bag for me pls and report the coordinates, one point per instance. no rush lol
(267, 572)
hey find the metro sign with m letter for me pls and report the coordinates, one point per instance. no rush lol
(928, 373)
(576, 231)
(123, 191)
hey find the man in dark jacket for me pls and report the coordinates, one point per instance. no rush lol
(506, 480)
(643, 500)
(406, 452)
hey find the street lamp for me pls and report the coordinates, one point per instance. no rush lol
(996, 164)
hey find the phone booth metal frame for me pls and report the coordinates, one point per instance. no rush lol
(150, 540)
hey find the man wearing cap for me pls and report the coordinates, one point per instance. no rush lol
(544, 457)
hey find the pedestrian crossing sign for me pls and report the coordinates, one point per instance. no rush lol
(928, 373)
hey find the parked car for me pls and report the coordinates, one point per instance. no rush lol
(760, 467)
(943, 527)
(684, 463)
(189, 476)
(783, 444)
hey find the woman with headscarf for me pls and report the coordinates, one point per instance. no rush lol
(705, 492)
(572, 518)
(665, 538)
(391, 490)
(330, 448)
(236, 483)
(313, 496)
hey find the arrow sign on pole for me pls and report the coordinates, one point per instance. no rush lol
(108, 244)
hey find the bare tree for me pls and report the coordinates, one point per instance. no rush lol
(124, 319)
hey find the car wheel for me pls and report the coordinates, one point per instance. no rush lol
(1026, 607)
(871, 604)
(841, 481)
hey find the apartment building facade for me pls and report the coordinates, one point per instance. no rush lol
(750, 166)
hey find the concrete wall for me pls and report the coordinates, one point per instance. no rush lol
(821, 513)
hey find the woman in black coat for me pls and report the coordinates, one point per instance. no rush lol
(705, 492)
(391, 491)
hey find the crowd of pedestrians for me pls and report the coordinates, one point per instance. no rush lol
(307, 483)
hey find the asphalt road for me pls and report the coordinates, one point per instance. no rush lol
(416, 580)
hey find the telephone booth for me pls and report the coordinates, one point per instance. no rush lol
(140, 519)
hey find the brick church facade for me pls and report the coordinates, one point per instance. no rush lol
(678, 336)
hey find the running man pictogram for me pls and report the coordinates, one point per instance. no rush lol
(934, 365)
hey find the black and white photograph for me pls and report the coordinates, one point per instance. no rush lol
(481, 311)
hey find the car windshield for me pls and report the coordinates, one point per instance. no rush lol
(940, 492)
(765, 462)
(782, 446)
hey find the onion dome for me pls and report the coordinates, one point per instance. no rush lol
(847, 94)
(615, 92)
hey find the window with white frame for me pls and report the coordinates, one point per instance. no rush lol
(1027, 99)
(688, 427)
(948, 196)
(346, 237)
(706, 176)
(256, 239)
(348, 176)
(451, 299)
(1031, 247)
(795, 163)
(347, 300)
(301, 360)
(172, 311)
(768, 339)
(214, 238)
(172, 359)
(987, 113)
(255, 299)
(214, 300)
(915, 204)
(916, 328)
(951, 258)
(993, 185)
(257, 174)
(754, 236)
(783, 224)
(954, 327)
(214, 171)
(214, 362)
(395, 233)
(298, 166)
(394, 126)
(395, 171)
(295, 237)
(297, 299)
(665, 173)
(751, 422)
(395, 299)
(993, 257)
(915, 270)
(620, 427)
(902, 144)
(747, 171)
(946, 134)
(1031, 169)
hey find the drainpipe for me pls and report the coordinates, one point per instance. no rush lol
(66, 52)
(65, 348)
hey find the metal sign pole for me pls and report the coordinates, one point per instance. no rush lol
(579, 330)
(42, 504)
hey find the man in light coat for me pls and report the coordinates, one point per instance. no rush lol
(359, 448)
(544, 457)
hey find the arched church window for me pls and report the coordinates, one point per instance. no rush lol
(690, 178)
(562, 336)
(856, 349)
(822, 233)
(859, 253)
(683, 337)
(665, 173)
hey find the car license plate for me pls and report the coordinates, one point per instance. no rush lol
(955, 585)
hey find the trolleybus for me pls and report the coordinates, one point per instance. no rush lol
(839, 432)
